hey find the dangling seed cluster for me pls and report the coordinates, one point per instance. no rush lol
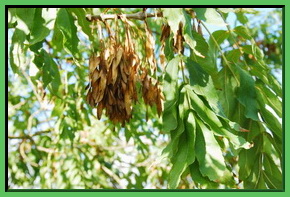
(114, 74)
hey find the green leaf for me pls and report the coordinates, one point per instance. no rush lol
(170, 118)
(273, 176)
(277, 144)
(183, 104)
(202, 84)
(25, 19)
(210, 156)
(234, 55)
(171, 94)
(256, 178)
(246, 162)
(199, 178)
(36, 48)
(190, 128)
(254, 161)
(16, 49)
(267, 78)
(65, 23)
(170, 82)
(201, 55)
(168, 49)
(68, 129)
(57, 39)
(201, 48)
(39, 30)
(270, 98)
(275, 85)
(272, 123)
(242, 18)
(128, 135)
(219, 36)
(255, 128)
(12, 16)
(172, 147)
(210, 118)
(209, 15)
(243, 32)
(50, 71)
(256, 52)
(185, 154)
(246, 94)
(81, 17)
(58, 108)
(227, 85)
(12, 25)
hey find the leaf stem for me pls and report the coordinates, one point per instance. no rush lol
(221, 52)
(232, 37)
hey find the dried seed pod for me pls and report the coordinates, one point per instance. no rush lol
(95, 76)
(149, 48)
(114, 75)
(99, 110)
(165, 32)
(93, 62)
(178, 40)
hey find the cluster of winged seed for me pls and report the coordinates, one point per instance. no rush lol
(152, 94)
(113, 78)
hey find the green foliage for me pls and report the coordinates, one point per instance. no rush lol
(221, 122)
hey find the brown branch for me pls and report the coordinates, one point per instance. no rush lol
(136, 16)
(28, 136)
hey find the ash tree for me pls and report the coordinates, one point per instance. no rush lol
(156, 98)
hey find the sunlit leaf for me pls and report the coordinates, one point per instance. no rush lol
(199, 178)
(26, 16)
(210, 118)
(39, 30)
(185, 154)
(273, 176)
(81, 16)
(209, 156)
(17, 46)
(243, 32)
(209, 15)
(65, 23)
(202, 84)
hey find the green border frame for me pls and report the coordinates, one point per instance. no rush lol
(224, 193)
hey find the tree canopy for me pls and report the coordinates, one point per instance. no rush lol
(155, 98)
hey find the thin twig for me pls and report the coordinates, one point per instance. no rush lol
(114, 176)
(221, 52)
(233, 38)
(136, 16)
(28, 136)
(31, 84)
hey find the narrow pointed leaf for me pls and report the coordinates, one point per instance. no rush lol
(65, 23)
(210, 156)
(246, 94)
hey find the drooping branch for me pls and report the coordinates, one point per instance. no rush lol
(136, 16)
